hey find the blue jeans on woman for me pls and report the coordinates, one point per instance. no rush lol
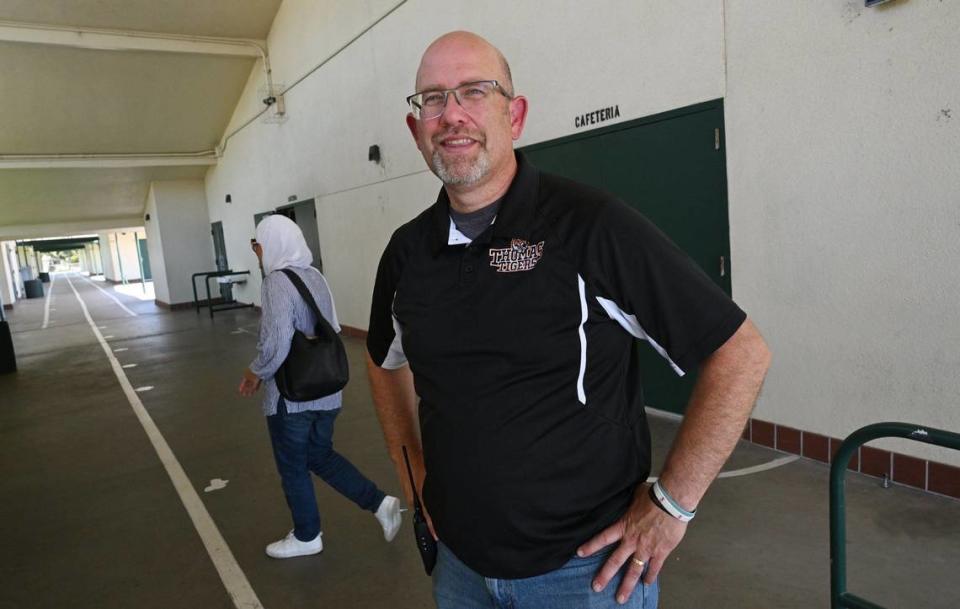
(456, 586)
(303, 443)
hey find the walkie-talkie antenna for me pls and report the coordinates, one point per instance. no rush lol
(413, 485)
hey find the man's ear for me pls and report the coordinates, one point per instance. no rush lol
(412, 126)
(518, 115)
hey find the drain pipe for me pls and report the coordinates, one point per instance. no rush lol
(223, 144)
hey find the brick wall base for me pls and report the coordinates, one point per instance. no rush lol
(353, 332)
(925, 475)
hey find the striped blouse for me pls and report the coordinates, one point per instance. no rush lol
(283, 310)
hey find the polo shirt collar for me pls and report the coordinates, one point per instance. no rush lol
(514, 219)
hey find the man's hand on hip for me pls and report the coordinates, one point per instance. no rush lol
(647, 535)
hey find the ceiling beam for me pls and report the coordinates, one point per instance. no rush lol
(122, 40)
(102, 161)
(59, 229)
(57, 245)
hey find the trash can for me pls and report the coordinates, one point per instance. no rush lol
(33, 288)
(8, 359)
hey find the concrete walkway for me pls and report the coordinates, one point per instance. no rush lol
(90, 518)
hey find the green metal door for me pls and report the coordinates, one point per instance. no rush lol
(220, 255)
(144, 259)
(672, 168)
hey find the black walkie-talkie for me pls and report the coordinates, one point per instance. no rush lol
(426, 544)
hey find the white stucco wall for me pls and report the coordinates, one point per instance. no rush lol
(671, 53)
(178, 238)
(843, 128)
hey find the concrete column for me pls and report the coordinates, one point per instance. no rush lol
(97, 260)
(29, 264)
(128, 258)
(178, 238)
(8, 275)
(108, 257)
(13, 259)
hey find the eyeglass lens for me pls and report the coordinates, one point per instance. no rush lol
(430, 104)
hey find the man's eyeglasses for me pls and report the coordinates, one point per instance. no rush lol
(427, 105)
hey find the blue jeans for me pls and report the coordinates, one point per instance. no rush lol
(456, 586)
(303, 443)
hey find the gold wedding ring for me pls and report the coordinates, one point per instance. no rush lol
(638, 562)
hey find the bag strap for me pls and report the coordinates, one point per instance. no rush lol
(307, 296)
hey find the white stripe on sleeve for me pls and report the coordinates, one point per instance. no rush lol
(630, 324)
(396, 358)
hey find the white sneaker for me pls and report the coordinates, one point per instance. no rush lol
(290, 546)
(388, 515)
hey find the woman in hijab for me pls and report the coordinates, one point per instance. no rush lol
(302, 432)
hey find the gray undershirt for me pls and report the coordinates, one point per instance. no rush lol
(473, 223)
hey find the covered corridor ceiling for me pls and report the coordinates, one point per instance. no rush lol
(91, 118)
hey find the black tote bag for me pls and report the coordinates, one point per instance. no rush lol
(317, 365)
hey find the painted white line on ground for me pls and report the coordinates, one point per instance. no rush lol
(121, 349)
(109, 336)
(144, 388)
(125, 366)
(132, 314)
(102, 327)
(746, 471)
(759, 468)
(46, 306)
(663, 414)
(234, 580)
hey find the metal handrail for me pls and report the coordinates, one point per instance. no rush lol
(839, 597)
(228, 305)
(193, 282)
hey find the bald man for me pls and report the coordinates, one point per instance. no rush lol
(507, 312)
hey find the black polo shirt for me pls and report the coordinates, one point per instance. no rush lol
(521, 347)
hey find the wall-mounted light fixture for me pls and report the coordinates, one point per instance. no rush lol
(228, 199)
(373, 154)
(146, 218)
(291, 198)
